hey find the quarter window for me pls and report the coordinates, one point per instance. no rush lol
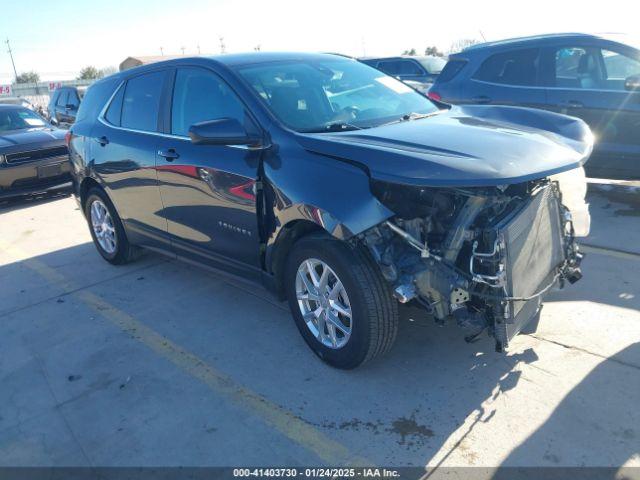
(115, 108)
(198, 96)
(517, 67)
(141, 102)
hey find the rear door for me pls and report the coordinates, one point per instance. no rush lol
(508, 78)
(209, 191)
(589, 82)
(124, 145)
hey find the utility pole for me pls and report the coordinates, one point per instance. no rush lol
(223, 47)
(12, 62)
(182, 48)
(199, 48)
(161, 52)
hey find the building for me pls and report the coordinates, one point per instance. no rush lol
(131, 62)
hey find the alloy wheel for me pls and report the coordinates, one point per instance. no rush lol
(103, 228)
(324, 303)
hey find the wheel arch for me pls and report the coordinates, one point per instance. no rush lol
(276, 254)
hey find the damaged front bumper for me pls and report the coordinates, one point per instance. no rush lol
(485, 259)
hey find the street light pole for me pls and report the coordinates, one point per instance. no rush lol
(12, 62)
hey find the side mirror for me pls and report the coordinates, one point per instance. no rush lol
(53, 120)
(632, 82)
(222, 131)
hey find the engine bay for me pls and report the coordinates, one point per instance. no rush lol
(483, 257)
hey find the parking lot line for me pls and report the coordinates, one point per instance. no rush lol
(611, 252)
(273, 415)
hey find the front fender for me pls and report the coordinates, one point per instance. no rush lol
(328, 192)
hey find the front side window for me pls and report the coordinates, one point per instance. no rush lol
(141, 102)
(517, 67)
(198, 96)
(73, 99)
(316, 95)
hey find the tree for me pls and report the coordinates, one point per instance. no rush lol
(106, 71)
(90, 73)
(433, 51)
(410, 52)
(461, 44)
(28, 77)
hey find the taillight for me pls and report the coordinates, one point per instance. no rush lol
(67, 138)
(434, 96)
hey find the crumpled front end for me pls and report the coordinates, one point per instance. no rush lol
(484, 257)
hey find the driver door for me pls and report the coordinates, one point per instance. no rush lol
(209, 191)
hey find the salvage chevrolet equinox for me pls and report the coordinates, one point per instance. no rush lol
(339, 188)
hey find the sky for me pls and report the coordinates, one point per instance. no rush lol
(57, 39)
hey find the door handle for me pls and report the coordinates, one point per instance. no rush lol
(572, 104)
(481, 99)
(169, 155)
(102, 140)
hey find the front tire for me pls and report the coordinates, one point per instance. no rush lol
(107, 230)
(341, 304)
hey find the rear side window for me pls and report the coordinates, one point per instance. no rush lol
(141, 102)
(62, 99)
(517, 67)
(400, 67)
(451, 69)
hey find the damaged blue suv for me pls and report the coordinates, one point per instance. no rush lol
(337, 187)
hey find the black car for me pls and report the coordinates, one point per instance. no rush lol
(337, 187)
(63, 105)
(33, 153)
(418, 71)
(589, 77)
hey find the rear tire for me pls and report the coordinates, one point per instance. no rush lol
(371, 329)
(108, 234)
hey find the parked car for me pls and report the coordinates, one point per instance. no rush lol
(418, 71)
(585, 76)
(63, 105)
(334, 185)
(33, 154)
(23, 102)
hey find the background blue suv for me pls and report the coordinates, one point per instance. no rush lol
(586, 76)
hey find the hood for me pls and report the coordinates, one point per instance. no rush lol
(463, 146)
(17, 140)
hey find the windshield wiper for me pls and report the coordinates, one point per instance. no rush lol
(340, 127)
(407, 117)
(414, 116)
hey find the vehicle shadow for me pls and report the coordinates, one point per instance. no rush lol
(27, 201)
(575, 433)
(398, 411)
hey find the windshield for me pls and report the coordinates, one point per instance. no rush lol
(433, 65)
(313, 96)
(19, 118)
